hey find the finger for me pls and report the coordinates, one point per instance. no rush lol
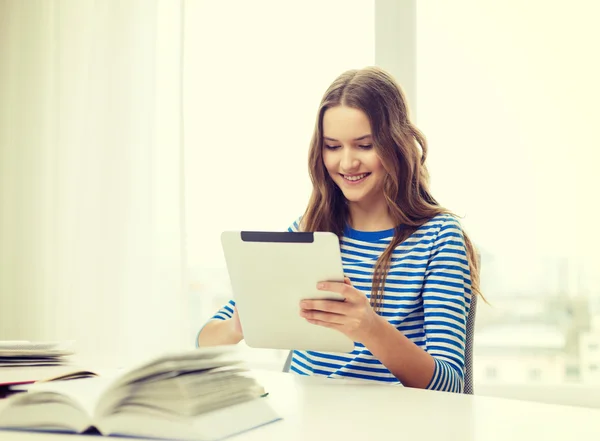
(334, 306)
(347, 291)
(325, 324)
(321, 316)
(347, 281)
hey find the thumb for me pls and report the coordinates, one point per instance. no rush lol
(347, 281)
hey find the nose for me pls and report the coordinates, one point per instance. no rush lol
(349, 162)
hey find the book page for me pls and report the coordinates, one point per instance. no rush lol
(85, 392)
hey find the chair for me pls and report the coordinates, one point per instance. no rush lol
(468, 383)
(468, 387)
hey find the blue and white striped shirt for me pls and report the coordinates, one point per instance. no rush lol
(427, 297)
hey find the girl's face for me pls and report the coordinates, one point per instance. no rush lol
(349, 155)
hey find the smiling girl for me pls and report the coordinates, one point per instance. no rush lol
(410, 268)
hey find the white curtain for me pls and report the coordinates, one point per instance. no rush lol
(91, 186)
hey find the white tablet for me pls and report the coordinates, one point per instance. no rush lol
(270, 273)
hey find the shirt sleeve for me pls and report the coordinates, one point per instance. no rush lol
(226, 312)
(295, 226)
(446, 302)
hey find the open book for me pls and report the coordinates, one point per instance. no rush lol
(205, 394)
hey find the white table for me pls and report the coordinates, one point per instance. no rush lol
(320, 409)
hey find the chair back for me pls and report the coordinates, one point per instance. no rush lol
(468, 383)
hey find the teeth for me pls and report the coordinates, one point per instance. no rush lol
(355, 178)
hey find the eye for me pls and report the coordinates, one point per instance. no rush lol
(331, 147)
(366, 146)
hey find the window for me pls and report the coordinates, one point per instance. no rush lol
(506, 131)
(509, 120)
(253, 85)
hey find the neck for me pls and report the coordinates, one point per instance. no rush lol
(374, 216)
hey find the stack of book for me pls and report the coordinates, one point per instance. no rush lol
(204, 394)
(26, 353)
(23, 362)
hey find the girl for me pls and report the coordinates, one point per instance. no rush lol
(410, 268)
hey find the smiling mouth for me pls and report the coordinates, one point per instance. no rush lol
(355, 178)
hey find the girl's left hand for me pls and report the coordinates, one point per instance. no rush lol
(354, 316)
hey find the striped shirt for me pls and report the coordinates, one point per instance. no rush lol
(427, 295)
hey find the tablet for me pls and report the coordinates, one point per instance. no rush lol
(270, 273)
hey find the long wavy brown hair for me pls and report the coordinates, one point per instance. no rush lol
(402, 149)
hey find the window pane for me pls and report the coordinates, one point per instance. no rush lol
(508, 105)
(254, 77)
